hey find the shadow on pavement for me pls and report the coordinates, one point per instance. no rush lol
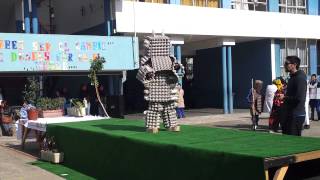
(245, 127)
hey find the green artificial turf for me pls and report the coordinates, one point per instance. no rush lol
(62, 171)
(120, 149)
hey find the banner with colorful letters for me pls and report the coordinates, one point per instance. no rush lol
(49, 53)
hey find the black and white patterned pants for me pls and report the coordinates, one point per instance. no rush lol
(161, 110)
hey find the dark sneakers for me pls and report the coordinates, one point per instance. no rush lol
(306, 126)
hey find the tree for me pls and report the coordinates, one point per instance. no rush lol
(31, 90)
(96, 66)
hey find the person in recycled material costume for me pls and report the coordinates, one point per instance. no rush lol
(158, 74)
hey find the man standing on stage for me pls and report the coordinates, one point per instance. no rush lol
(295, 97)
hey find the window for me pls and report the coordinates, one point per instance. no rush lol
(253, 5)
(152, 1)
(203, 3)
(294, 47)
(293, 6)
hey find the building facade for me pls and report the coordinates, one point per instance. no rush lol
(230, 41)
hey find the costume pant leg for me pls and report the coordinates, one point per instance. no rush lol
(257, 119)
(169, 115)
(153, 116)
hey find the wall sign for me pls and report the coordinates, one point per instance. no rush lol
(49, 53)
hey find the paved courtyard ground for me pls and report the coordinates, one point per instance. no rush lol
(14, 162)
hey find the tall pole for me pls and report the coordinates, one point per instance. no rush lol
(224, 80)
(26, 16)
(34, 13)
(178, 56)
(230, 93)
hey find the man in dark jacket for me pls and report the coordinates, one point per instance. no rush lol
(294, 98)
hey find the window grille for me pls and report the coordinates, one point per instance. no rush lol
(293, 6)
(253, 5)
(294, 47)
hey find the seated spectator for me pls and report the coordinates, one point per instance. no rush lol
(24, 110)
(6, 118)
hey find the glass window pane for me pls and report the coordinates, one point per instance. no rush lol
(261, 7)
(291, 10)
(213, 3)
(200, 2)
(282, 9)
(282, 1)
(301, 11)
(186, 2)
(301, 3)
(291, 2)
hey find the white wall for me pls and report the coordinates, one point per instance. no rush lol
(187, 20)
(68, 18)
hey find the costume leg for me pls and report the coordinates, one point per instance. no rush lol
(169, 116)
(153, 116)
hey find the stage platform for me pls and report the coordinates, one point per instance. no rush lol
(121, 149)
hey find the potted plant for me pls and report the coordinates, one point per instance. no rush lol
(50, 152)
(50, 107)
(77, 108)
(30, 94)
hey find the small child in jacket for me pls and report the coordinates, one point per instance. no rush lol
(255, 100)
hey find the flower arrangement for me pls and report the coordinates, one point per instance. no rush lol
(77, 103)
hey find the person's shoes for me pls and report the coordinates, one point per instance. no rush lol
(174, 129)
(306, 126)
(271, 132)
(152, 130)
(254, 127)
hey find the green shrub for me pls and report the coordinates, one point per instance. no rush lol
(45, 103)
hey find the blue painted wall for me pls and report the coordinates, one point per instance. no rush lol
(249, 60)
(312, 45)
(174, 2)
(277, 58)
(225, 4)
(19, 26)
(313, 7)
(207, 87)
(273, 5)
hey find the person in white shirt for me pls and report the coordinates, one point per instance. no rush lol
(268, 102)
(314, 102)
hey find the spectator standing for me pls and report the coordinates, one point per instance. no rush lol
(276, 112)
(6, 118)
(255, 99)
(270, 91)
(295, 97)
(181, 105)
(314, 102)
